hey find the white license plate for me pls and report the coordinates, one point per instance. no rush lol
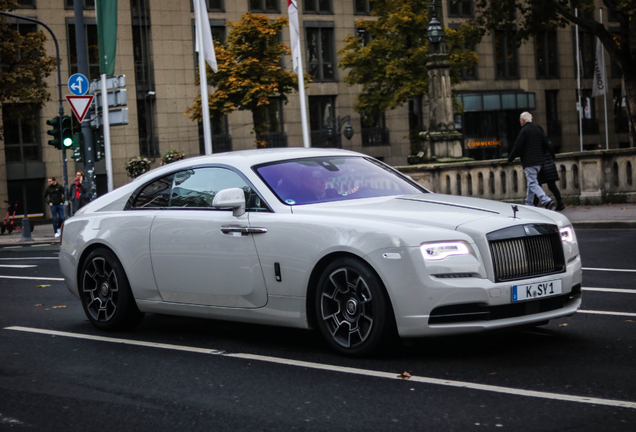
(536, 290)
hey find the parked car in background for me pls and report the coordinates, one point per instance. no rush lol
(317, 238)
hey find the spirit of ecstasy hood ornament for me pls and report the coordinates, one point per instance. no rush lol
(515, 209)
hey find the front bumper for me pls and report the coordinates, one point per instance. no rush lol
(426, 305)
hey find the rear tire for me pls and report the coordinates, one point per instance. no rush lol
(353, 312)
(105, 292)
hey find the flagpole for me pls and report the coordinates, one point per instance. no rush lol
(578, 80)
(297, 66)
(303, 103)
(203, 80)
(600, 10)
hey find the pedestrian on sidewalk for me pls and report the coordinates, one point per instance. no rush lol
(54, 195)
(550, 175)
(531, 145)
(78, 192)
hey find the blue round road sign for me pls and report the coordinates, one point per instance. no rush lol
(78, 84)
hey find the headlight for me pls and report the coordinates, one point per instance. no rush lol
(439, 251)
(567, 235)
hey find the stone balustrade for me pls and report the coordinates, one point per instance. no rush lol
(590, 177)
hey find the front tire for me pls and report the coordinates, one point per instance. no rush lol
(105, 292)
(352, 309)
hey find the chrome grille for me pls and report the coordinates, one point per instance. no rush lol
(527, 256)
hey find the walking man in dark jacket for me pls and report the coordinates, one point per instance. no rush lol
(54, 195)
(531, 145)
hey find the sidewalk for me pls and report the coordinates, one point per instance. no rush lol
(607, 216)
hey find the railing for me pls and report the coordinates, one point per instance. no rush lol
(585, 177)
(375, 136)
(274, 139)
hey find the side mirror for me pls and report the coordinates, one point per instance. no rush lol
(233, 198)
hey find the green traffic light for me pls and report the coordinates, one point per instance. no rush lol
(68, 142)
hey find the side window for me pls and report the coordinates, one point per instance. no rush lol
(196, 188)
(155, 195)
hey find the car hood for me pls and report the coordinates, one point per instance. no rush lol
(434, 210)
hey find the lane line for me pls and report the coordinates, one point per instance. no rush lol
(31, 278)
(341, 369)
(612, 290)
(29, 258)
(627, 314)
(17, 265)
(609, 270)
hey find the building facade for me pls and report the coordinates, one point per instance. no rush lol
(155, 51)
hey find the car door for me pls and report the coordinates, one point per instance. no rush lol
(196, 259)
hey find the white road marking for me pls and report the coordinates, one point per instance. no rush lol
(341, 369)
(612, 290)
(40, 245)
(12, 247)
(31, 278)
(29, 258)
(9, 420)
(628, 314)
(610, 270)
(17, 266)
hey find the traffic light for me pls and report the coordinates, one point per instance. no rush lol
(54, 132)
(67, 131)
(98, 145)
(78, 147)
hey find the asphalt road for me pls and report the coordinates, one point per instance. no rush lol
(574, 374)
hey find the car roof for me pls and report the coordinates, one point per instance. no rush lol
(244, 159)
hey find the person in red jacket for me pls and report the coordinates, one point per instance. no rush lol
(531, 145)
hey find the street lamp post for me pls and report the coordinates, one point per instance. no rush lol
(444, 140)
(334, 128)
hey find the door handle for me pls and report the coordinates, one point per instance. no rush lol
(243, 230)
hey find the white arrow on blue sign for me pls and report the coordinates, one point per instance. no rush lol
(78, 84)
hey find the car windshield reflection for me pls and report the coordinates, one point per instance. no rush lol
(316, 180)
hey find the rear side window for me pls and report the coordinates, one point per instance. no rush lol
(155, 195)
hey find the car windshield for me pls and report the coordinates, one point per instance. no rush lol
(315, 180)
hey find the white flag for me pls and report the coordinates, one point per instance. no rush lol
(208, 45)
(600, 77)
(294, 32)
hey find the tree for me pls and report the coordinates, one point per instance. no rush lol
(23, 67)
(249, 71)
(532, 17)
(390, 63)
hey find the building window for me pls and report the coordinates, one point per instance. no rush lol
(363, 35)
(144, 79)
(317, 6)
(470, 73)
(321, 115)
(616, 70)
(587, 46)
(21, 133)
(621, 121)
(90, 29)
(553, 125)
(221, 138)
(271, 116)
(506, 54)
(26, 4)
(460, 8)
(270, 6)
(70, 4)
(546, 55)
(362, 7)
(320, 52)
(588, 113)
(374, 131)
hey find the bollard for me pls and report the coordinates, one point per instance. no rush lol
(26, 230)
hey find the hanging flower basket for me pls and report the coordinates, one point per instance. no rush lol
(172, 156)
(138, 165)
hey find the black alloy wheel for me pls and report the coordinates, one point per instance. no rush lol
(352, 309)
(105, 292)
